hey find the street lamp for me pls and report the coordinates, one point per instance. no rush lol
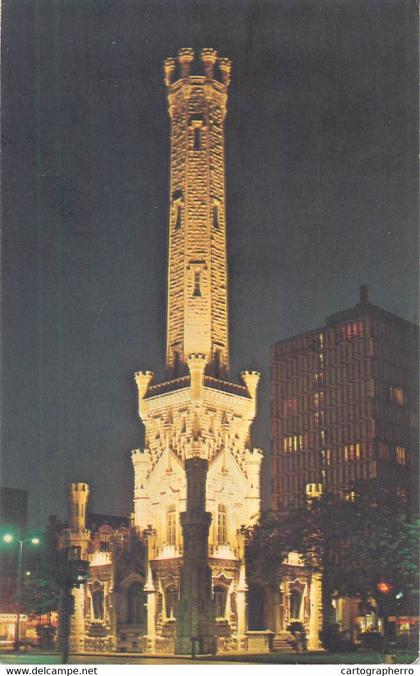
(21, 541)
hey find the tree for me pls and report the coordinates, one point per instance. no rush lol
(357, 541)
(41, 590)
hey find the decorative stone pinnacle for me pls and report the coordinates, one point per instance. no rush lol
(251, 380)
(185, 56)
(209, 58)
(143, 380)
(169, 66)
(225, 66)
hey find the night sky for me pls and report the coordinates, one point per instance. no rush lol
(321, 144)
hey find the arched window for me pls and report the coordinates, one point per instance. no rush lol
(98, 602)
(171, 525)
(171, 601)
(295, 604)
(136, 605)
(178, 214)
(221, 525)
(220, 596)
(197, 282)
(215, 213)
(197, 138)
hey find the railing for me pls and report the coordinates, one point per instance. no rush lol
(168, 552)
(223, 552)
(185, 381)
(168, 386)
(225, 386)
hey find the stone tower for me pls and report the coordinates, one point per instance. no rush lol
(197, 277)
(77, 535)
(198, 418)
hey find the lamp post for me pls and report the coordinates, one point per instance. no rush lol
(21, 541)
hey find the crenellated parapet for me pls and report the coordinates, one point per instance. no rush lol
(212, 67)
(143, 380)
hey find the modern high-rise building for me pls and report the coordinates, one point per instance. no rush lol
(344, 403)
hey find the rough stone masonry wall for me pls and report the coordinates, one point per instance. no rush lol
(197, 323)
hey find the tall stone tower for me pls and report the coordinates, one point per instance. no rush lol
(198, 417)
(197, 276)
(77, 535)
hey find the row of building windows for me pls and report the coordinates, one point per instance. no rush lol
(389, 336)
(293, 406)
(325, 338)
(344, 454)
(296, 482)
(341, 413)
(345, 431)
(398, 454)
(337, 396)
(354, 375)
(136, 602)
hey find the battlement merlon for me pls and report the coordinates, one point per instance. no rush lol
(197, 364)
(210, 62)
(78, 495)
(251, 380)
(143, 380)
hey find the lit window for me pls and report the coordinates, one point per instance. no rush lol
(294, 442)
(400, 455)
(352, 452)
(349, 331)
(326, 456)
(396, 395)
(290, 406)
(383, 452)
(171, 525)
(221, 525)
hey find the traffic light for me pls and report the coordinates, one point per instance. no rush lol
(384, 587)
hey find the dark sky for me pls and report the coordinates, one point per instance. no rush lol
(321, 186)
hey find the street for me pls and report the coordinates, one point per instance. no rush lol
(360, 657)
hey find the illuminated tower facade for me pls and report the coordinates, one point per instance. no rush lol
(197, 276)
(197, 412)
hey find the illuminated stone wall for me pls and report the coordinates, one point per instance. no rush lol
(197, 412)
(197, 282)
